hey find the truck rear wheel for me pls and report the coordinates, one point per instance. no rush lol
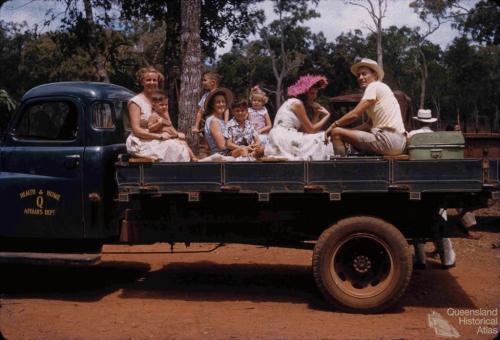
(362, 264)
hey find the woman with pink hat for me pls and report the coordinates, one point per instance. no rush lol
(294, 136)
(384, 133)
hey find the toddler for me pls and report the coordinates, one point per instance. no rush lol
(159, 121)
(258, 115)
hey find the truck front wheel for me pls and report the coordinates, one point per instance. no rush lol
(362, 264)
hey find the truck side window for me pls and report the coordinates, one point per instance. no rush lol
(122, 108)
(102, 116)
(57, 120)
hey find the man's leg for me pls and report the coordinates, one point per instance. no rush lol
(444, 246)
(380, 142)
(420, 256)
(361, 140)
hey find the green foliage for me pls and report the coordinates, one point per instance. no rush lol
(483, 22)
(13, 39)
(219, 19)
(463, 78)
(473, 77)
(7, 107)
(6, 102)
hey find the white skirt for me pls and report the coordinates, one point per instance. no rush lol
(293, 145)
(170, 150)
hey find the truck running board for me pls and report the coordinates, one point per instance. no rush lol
(50, 258)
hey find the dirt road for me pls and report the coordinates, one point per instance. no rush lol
(236, 292)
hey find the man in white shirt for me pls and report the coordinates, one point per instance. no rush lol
(443, 245)
(425, 119)
(384, 133)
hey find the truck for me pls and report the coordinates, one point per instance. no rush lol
(68, 187)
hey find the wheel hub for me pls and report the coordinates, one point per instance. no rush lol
(361, 263)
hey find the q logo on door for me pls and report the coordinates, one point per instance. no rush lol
(38, 199)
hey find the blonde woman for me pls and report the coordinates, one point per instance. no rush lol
(141, 142)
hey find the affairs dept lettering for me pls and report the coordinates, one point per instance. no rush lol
(40, 202)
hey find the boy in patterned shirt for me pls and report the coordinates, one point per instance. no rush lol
(242, 138)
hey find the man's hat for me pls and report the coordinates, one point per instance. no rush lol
(424, 116)
(371, 64)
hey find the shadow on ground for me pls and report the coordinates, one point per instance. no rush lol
(489, 224)
(68, 283)
(208, 281)
(211, 281)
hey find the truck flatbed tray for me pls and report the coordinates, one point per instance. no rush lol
(337, 176)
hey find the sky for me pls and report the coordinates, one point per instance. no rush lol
(336, 17)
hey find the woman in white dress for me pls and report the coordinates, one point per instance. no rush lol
(157, 146)
(294, 136)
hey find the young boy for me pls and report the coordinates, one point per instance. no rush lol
(242, 138)
(209, 81)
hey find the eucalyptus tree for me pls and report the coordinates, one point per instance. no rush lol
(482, 22)
(377, 9)
(219, 20)
(433, 14)
(191, 64)
(286, 41)
(88, 26)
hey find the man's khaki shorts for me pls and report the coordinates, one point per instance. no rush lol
(381, 142)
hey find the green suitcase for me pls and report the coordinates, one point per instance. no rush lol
(437, 145)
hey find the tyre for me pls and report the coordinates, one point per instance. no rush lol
(362, 264)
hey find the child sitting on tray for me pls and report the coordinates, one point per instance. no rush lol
(159, 121)
(242, 138)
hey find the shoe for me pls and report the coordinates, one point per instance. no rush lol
(468, 220)
(448, 266)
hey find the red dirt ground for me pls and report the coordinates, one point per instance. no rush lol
(235, 292)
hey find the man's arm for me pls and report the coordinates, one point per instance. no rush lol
(352, 115)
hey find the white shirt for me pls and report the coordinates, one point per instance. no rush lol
(424, 129)
(201, 103)
(386, 112)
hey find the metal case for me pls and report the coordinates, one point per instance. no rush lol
(437, 145)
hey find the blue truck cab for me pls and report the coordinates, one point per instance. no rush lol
(57, 166)
(67, 187)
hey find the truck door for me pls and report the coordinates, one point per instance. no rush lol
(41, 178)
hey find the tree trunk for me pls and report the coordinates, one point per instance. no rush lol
(377, 10)
(437, 107)
(95, 55)
(279, 90)
(495, 121)
(172, 58)
(380, 51)
(191, 66)
(423, 78)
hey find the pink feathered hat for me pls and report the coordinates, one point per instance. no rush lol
(305, 83)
